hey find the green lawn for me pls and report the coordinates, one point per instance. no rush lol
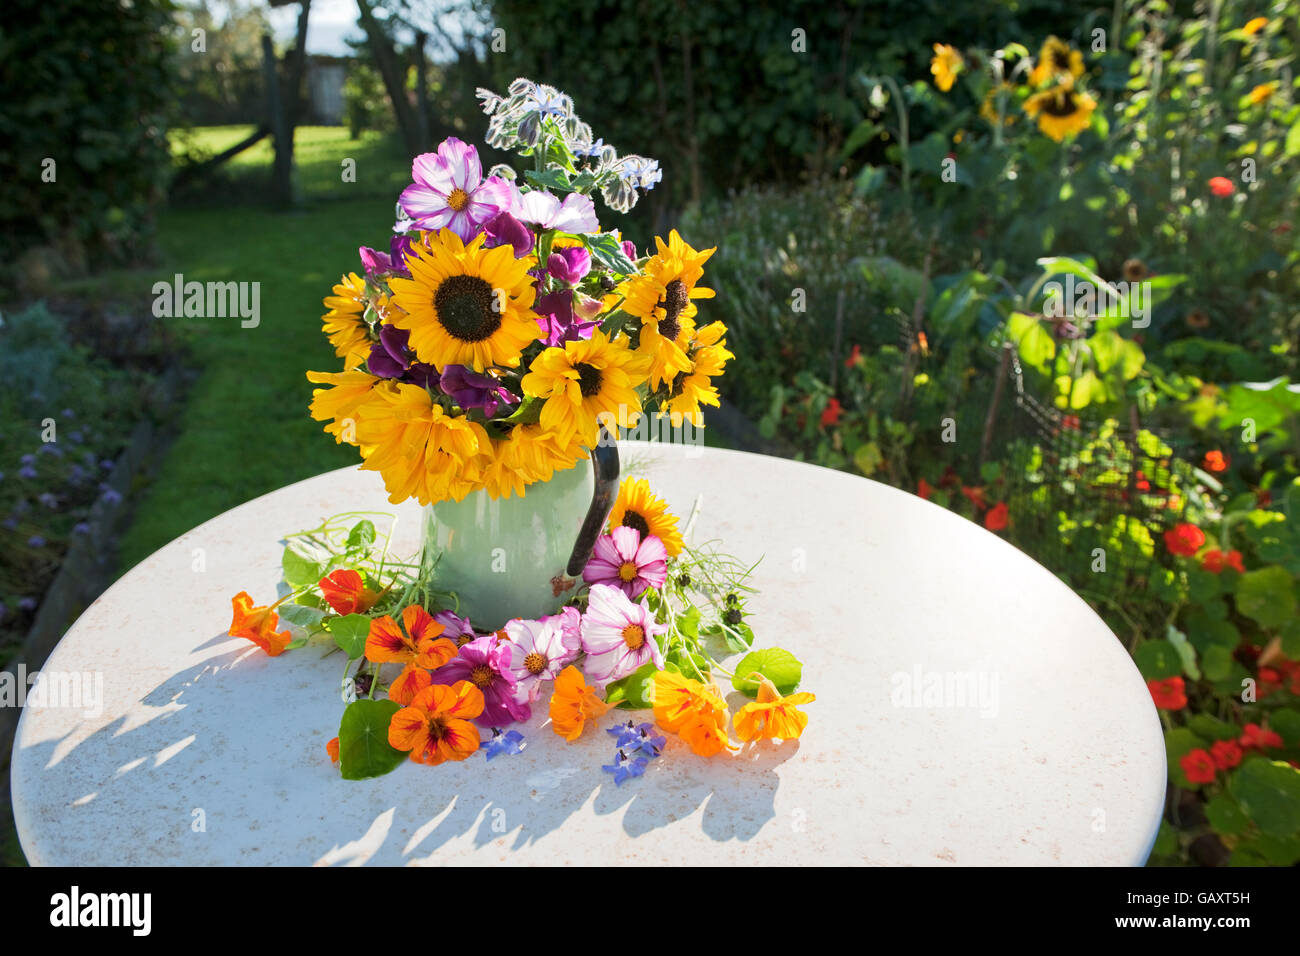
(245, 429)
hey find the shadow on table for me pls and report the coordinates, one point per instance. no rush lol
(476, 803)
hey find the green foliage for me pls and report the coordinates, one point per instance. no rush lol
(91, 92)
(364, 750)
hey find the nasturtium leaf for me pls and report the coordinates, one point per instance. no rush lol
(775, 663)
(350, 633)
(1216, 662)
(1287, 724)
(1269, 793)
(1157, 660)
(1186, 653)
(362, 535)
(1212, 728)
(634, 692)
(1277, 850)
(1225, 816)
(1291, 640)
(1035, 344)
(688, 622)
(364, 750)
(304, 617)
(1267, 595)
(1166, 840)
(299, 571)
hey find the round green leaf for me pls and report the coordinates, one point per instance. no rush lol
(350, 633)
(775, 663)
(1267, 595)
(1269, 793)
(364, 750)
(1157, 660)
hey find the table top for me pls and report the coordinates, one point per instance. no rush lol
(970, 709)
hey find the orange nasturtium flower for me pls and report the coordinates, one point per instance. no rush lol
(436, 727)
(1262, 92)
(257, 624)
(693, 711)
(347, 593)
(1253, 26)
(332, 748)
(420, 645)
(573, 704)
(772, 717)
(408, 685)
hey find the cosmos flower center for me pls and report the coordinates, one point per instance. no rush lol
(458, 199)
(589, 379)
(535, 663)
(627, 571)
(633, 520)
(464, 639)
(466, 308)
(633, 636)
(481, 676)
(675, 299)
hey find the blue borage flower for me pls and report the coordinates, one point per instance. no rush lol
(509, 743)
(624, 767)
(638, 738)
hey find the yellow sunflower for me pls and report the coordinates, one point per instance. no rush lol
(1061, 111)
(420, 450)
(466, 305)
(345, 324)
(661, 298)
(542, 453)
(989, 107)
(945, 65)
(695, 388)
(637, 508)
(583, 379)
(341, 403)
(1057, 62)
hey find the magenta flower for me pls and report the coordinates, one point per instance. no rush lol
(541, 650)
(471, 390)
(450, 192)
(505, 230)
(569, 264)
(556, 318)
(485, 663)
(618, 635)
(628, 563)
(455, 628)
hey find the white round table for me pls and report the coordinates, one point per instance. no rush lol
(970, 709)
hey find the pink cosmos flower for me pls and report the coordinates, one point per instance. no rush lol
(618, 636)
(625, 561)
(485, 663)
(577, 213)
(542, 649)
(450, 192)
(456, 628)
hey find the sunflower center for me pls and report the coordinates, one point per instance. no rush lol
(627, 571)
(458, 199)
(588, 379)
(535, 663)
(633, 636)
(633, 520)
(1062, 104)
(481, 676)
(675, 299)
(1061, 60)
(465, 307)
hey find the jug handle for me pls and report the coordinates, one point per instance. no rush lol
(605, 469)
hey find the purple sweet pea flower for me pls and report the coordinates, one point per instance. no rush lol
(505, 230)
(450, 192)
(485, 663)
(391, 357)
(569, 264)
(472, 390)
(558, 325)
(629, 249)
(577, 213)
(392, 262)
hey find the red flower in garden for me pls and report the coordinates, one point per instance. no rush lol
(1221, 186)
(1226, 754)
(831, 414)
(923, 489)
(1141, 483)
(347, 593)
(1168, 693)
(1071, 422)
(975, 496)
(1215, 461)
(1215, 561)
(996, 519)
(1255, 737)
(1269, 681)
(1184, 539)
(855, 357)
(1199, 766)
(1263, 497)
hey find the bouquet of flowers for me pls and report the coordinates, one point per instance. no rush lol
(501, 337)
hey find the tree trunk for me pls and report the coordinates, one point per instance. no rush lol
(282, 168)
(394, 81)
